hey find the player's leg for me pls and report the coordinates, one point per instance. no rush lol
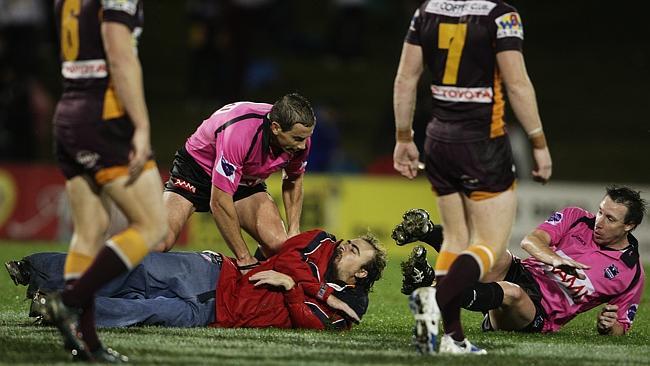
(490, 221)
(187, 190)
(141, 202)
(456, 237)
(260, 218)
(142, 205)
(517, 310)
(90, 219)
(160, 311)
(161, 290)
(176, 274)
(179, 210)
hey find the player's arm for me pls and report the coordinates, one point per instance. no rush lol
(126, 76)
(607, 321)
(225, 216)
(521, 95)
(292, 195)
(406, 155)
(537, 244)
(301, 314)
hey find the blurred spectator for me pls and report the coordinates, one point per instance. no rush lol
(25, 105)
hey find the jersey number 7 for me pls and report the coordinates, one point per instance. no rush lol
(451, 37)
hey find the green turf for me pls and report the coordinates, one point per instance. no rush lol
(382, 338)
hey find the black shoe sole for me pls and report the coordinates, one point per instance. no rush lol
(49, 306)
(19, 278)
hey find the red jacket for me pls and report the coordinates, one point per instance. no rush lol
(304, 257)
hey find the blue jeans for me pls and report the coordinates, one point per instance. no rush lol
(170, 289)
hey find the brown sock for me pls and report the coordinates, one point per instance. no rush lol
(86, 321)
(106, 266)
(464, 272)
(87, 327)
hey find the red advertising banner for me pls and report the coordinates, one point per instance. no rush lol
(34, 206)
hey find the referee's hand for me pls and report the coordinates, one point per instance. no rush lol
(607, 318)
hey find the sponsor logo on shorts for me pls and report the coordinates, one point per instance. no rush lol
(183, 185)
(127, 6)
(459, 9)
(87, 158)
(631, 312)
(555, 218)
(88, 69)
(469, 182)
(611, 272)
(463, 95)
(226, 169)
(509, 25)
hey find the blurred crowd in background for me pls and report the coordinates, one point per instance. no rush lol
(589, 66)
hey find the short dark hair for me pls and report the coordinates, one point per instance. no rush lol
(375, 266)
(291, 109)
(636, 206)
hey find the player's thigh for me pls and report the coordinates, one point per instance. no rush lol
(142, 204)
(179, 210)
(490, 220)
(89, 215)
(517, 311)
(259, 216)
(452, 215)
(500, 268)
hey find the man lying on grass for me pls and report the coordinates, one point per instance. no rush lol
(578, 261)
(314, 282)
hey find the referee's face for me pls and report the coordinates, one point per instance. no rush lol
(610, 227)
(294, 140)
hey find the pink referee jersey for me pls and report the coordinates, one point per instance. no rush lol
(233, 147)
(609, 280)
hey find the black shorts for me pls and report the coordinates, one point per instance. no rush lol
(89, 148)
(189, 180)
(478, 169)
(519, 275)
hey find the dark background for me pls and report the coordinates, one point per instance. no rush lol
(589, 62)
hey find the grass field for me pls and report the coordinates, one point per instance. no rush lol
(383, 337)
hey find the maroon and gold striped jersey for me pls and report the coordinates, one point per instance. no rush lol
(459, 41)
(88, 94)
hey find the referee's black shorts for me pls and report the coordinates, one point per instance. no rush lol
(189, 180)
(519, 275)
